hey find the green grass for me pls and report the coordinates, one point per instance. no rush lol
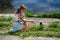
(6, 19)
(52, 30)
(35, 30)
(44, 15)
(36, 33)
(5, 25)
(55, 26)
(5, 22)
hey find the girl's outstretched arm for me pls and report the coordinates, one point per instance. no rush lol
(25, 20)
(29, 20)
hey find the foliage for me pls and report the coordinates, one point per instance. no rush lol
(5, 25)
(53, 27)
(5, 4)
(29, 14)
(6, 19)
(36, 33)
(52, 30)
(45, 15)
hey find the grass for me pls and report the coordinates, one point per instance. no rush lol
(36, 33)
(44, 15)
(6, 19)
(5, 25)
(35, 30)
(52, 30)
(5, 22)
(55, 26)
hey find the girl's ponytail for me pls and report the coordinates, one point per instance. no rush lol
(21, 7)
(18, 10)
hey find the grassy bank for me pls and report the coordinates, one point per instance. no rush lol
(44, 15)
(36, 30)
(6, 19)
(52, 30)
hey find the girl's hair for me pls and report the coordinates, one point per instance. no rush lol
(21, 7)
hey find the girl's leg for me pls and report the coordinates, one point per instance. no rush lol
(27, 26)
(17, 26)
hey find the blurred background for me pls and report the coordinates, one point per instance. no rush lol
(36, 6)
(45, 13)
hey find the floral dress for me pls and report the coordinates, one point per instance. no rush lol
(17, 24)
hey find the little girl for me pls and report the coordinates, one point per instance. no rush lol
(19, 20)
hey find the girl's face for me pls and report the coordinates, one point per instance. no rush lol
(23, 10)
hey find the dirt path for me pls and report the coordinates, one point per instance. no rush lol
(9, 37)
(45, 21)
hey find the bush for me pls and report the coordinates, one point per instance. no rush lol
(54, 25)
(6, 19)
(53, 29)
(29, 14)
(5, 25)
(36, 33)
(35, 28)
(45, 15)
(56, 15)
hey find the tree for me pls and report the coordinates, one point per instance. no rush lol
(5, 4)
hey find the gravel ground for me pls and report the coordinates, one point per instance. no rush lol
(9, 37)
(45, 21)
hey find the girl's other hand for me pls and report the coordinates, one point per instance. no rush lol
(32, 21)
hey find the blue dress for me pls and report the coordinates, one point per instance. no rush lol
(17, 25)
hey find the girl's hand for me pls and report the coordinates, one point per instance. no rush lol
(32, 21)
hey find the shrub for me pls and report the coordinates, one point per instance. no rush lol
(53, 29)
(29, 14)
(54, 25)
(45, 15)
(34, 28)
(5, 25)
(6, 19)
(36, 33)
(56, 14)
